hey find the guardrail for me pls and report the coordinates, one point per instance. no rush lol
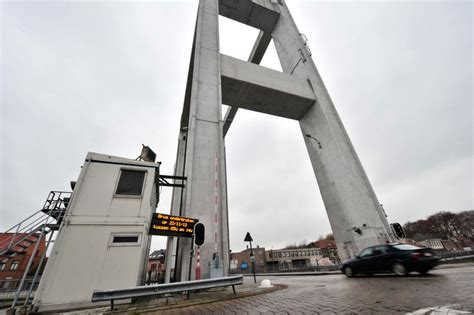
(167, 288)
(459, 254)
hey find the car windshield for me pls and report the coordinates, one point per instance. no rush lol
(406, 247)
(366, 252)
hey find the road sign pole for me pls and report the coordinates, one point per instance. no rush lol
(248, 238)
(191, 253)
(252, 259)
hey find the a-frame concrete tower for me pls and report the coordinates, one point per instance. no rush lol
(298, 93)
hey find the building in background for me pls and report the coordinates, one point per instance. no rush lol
(435, 244)
(451, 245)
(291, 259)
(287, 259)
(457, 243)
(329, 250)
(13, 265)
(241, 263)
(156, 266)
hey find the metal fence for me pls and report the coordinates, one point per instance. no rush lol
(458, 254)
(9, 288)
(285, 268)
(11, 285)
(155, 277)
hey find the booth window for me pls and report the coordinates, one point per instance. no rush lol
(125, 239)
(130, 183)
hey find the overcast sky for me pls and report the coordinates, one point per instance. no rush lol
(108, 76)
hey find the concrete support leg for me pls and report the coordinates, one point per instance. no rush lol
(354, 212)
(204, 196)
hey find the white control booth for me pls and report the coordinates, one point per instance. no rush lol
(103, 242)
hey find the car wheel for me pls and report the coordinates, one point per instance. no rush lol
(349, 272)
(399, 269)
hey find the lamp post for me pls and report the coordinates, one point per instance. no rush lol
(317, 141)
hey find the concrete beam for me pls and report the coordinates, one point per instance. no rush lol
(246, 85)
(260, 47)
(260, 14)
(229, 118)
(256, 56)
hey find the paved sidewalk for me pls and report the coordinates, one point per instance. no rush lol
(449, 288)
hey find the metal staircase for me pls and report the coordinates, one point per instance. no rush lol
(31, 232)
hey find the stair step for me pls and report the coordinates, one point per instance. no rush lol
(56, 213)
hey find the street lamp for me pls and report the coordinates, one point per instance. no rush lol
(310, 136)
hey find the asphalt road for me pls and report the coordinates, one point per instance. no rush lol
(336, 294)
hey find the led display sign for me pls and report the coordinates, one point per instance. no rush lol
(171, 225)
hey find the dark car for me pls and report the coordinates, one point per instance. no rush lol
(397, 258)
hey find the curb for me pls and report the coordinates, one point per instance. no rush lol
(289, 274)
(196, 302)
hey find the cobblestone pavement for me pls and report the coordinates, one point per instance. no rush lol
(336, 294)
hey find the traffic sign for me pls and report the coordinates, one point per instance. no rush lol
(248, 238)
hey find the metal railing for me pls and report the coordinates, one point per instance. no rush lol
(167, 288)
(455, 255)
(155, 277)
(9, 287)
(280, 268)
(24, 233)
(31, 232)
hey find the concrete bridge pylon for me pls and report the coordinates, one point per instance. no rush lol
(356, 217)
